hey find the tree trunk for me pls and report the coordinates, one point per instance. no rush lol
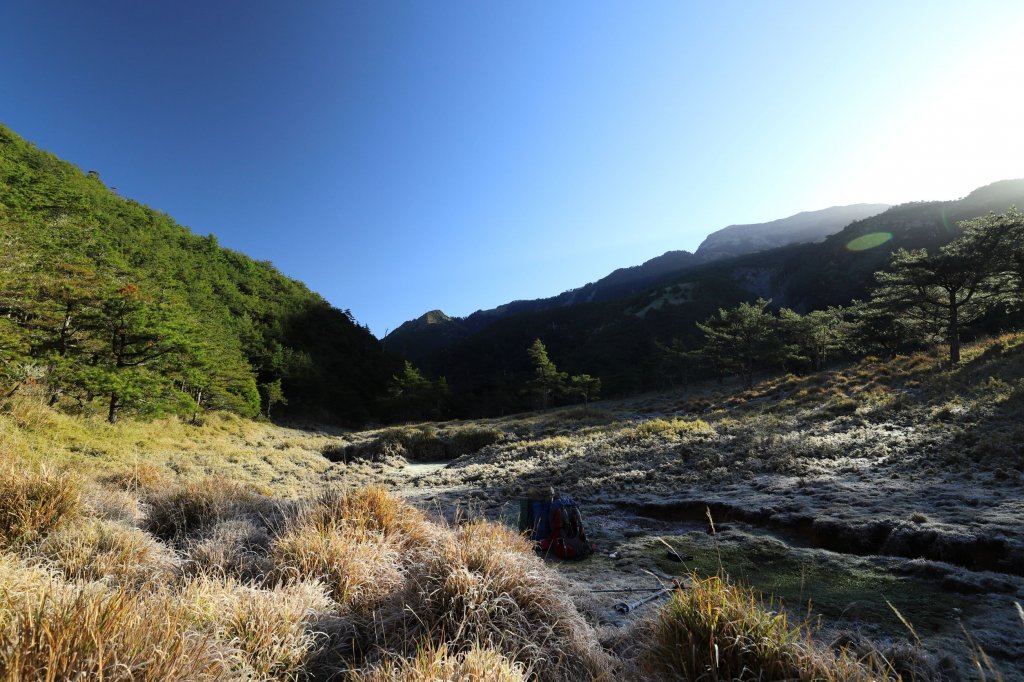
(199, 406)
(954, 335)
(112, 411)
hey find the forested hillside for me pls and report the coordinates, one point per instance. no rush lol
(646, 340)
(107, 304)
(420, 339)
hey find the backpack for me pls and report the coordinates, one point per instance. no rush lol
(557, 527)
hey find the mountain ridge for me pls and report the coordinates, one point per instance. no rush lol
(621, 340)
(417, 339)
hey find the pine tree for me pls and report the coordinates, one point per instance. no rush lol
(547, 381)
(743, 339)
(141, 344)
(817, 336)
(950, 290)
(585, 386)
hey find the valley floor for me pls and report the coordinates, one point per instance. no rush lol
(875, 498)
(882, 501)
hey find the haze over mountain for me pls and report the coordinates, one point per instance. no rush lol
(808, 226)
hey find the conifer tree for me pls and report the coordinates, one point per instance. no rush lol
(743, 339)
(817, 336)
(945, 292)
(141, 342)
(547, 381)
(585, 386)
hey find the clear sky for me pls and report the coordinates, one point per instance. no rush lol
(400, 157)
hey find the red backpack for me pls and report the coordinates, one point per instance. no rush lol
(567, 539)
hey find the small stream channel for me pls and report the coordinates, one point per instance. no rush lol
(871, 538)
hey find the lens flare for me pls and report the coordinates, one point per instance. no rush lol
(869, 241)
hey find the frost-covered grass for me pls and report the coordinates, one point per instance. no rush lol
(239, 550)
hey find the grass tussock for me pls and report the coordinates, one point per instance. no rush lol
(94, 550)
(35, 501)
(432, 663)
(481, 585)
(714, 630)
(357, 543)
(54, 632)
(266, 634)
(189, 509)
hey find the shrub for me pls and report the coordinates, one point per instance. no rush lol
(424, 444)
(665, 428)
(469, 440)
(34, 502)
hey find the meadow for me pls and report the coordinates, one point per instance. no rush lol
(859, 523)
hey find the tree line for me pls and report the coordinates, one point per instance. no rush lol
(921, 298)
(974, 282)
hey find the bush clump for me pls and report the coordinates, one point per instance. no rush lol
(423, 444)
(669, 429)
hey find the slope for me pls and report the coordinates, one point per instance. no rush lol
(622, 340)
(237, 323)
(808, 226)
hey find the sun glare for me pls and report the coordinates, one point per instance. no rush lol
(956, 132)
(869, 241)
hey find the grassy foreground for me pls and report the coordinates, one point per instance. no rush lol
(165, 551)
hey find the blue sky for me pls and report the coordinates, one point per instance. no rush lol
(400, 157)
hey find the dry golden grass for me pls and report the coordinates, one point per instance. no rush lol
(147, 456)
(714, 630)
(94, 549)
(435, 663)
(266, 633)
(359, 569)
(358, 542)
(193, 507)
(53, 631)
(481, 583)
(35, 501)
(668, 429)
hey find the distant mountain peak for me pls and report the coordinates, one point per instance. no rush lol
(434, 317)
(806, 226)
